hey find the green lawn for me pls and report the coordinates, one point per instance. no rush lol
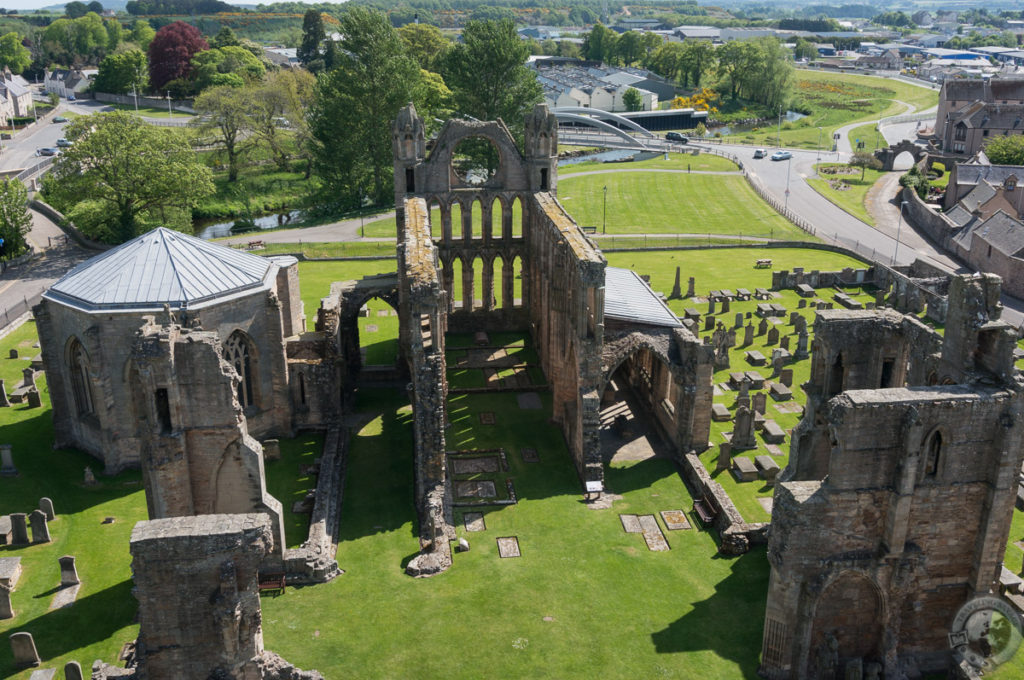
(149, 111)
(259, 189)
(329, 249)
(869, 135)
(676, 161)
(852, 196)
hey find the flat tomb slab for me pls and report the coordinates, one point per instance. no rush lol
(766, 503)
(508, 546)
(736, 378)
(529, 455)
(780, 392)
(475, 489)
(790, 407)
(630, 524)
(529, 400)
(767, 465)
(652, 534)
(755, 358)
(475, 465)
(720, 413)
(43, 674)
(803, 290)
(756, 379)
(772, 433)
(675, 520)
(10, 571)
(5, 530)
(743, 469)
(487, 418)
(474, 521)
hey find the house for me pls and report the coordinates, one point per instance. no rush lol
(68, 82)
(889, 60)
(282, 56)
(970, 111)
(15, 94)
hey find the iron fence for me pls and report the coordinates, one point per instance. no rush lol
(14, 311)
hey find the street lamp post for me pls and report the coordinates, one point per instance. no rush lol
(819, 146)
(899, 225)
(136, 97)
(780, 127)
(604, 211)
(789, 168)
(170, 113)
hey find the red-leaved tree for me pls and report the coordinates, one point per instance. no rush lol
(171, 52)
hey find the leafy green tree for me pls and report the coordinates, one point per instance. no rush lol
(224, 113)
(53, 98)
(629, 48)
(916, 180)
(95, 6)
(805, 49)
(15, 219)
(864, 160)
(1006, 150)
(313, 36)
(13, 54)
(433, 100)
(296, 89)
(121, 73)
(115, 34)
(699, 57)
(142, 33)
(274, 104)
(355, 104)
(225, 38)
(600, 44)
(633, 100)
(75, 9)
(426, 44)
(122, 175)
(234, 66)
(735, 60)
(667, 61)
(488, 77)
(770, 79)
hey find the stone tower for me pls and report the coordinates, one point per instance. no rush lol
(541, 149)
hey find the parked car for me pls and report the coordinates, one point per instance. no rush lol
(48, 151)
(60, 119)
(781, 156)
(676, 137)
(760, 153)
(71, 98)
(63, 142)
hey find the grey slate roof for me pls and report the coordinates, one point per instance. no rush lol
(981, 194)
(162, 267)
(628, 298)
(969, 173)
(1001, 231)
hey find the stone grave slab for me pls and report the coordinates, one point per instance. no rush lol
(774, 450)
(716, 391)
(767, 466)
(529, 455)
(652, 534)
(675, 520)
(488, 418)
(777, 309)
(742, 293)
(65, 597)
(476, 488)
(720, 413)
(789, 407)
(371, 328)
(475, 465)
(10, 571)
(743, 469)
(766, 503)
(755, 358)
(756, 380)
(736, 378)
(805, 291)
(528, 400)
(630, 524)
(43, 674)
(382, 312)
(508, 546)
(474, 521)
(6, 533)
(764, 309)
(780, 392)
(773, 434)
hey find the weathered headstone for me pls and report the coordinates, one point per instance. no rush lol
(724, 456)
(879, 298)
(725, 305)
(463, 545)
(711, 306)
(6, 608)
(68, 572)
(744, 398)
(40, 531)
(4, 401)
(13, 354)
(793, 317)
(730, 339)
(760, 402)
(72, 671)
(800, 326)
(773, 335)
(677, 292)
(743, 429)
(748, 335)
(271, 449)
(709, 323)
(762, 327)
(24, 649)
(34, 400)
(19, 529)
(786, 377)
(90, 478)
(7, 468)
(784, 342)
(777, 363)
(801, 303)
(29, 375)
(801, 347)
(690, 288)
(46, 505)
(739, 319)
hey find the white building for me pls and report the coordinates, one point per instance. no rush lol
(67, 82)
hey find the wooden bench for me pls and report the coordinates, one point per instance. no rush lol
(705, 510)
(272, 583)
(589, 230)
(763, 264)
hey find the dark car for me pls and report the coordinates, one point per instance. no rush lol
(676, 137)
(63, 142)
(60, 119)
(48, 151)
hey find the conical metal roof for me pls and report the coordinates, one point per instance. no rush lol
(162, 267)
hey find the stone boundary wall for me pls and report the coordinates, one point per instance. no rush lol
(737, 536)
(66, 225)
(314, 561)
(937, 226)
(184, 105)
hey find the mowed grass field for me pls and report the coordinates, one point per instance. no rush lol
(851, 198)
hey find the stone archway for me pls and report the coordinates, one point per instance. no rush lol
(888, 156)
(848, 622)
(353, 296)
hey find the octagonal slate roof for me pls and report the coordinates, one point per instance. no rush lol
(162, 267)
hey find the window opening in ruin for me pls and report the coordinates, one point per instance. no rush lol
(237, 352)
(835, 382)
(497, 225)
(544, 179)
(518, 218)
(455, 215)
(80, 379)
(476, 219)
(934, 448)
(302, 389)
(475, 160)
(378, 333)
(163, 410)
(435, 219)
(410, 181)
(887, 369)
(517, 282)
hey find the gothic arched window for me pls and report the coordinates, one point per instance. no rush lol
(80, 384)
(239, 353)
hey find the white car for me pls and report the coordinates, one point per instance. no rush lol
(781, 156)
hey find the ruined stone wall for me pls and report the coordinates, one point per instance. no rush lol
(292, 316)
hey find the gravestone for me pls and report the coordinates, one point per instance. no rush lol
(748, 335)
(19, 529)
(29, 375)
(800, 326)
(4, 401)
(744, 398)
(13, 354)
(72, 671)
(677, 292)
(743, 430)
(760, 402)
(777, 363)
(90, 478)
(24, 649)
(711, 306)
(739, 320)
(709, 323)
(689, 288)
(767, 467)
(801, 347)
(879, 298)
(6, 608)
(762, 327)
(463, 545)
(725, 305)
(743, 470)
(730, 339)
(801, 303)
(793, 317)
(68, 572)
(724, 455)
(40, 531)
(271, 449)
(7, 468)
(784, 342)
(786, 377)
(46, 505)
(34, 400)
(773, 335)
(719, 413)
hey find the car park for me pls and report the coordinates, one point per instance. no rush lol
(760, 153)
(63, 142)
(676, 137)
(781, 156)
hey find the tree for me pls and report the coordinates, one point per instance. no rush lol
(95, 6)
(234, 66)
(629, 48)
(426, 44)
(600, 44)
(13, 54)
(122, 73)
(296, 88)
(633, 100)
(864, 160)
(225, 38)
(1006, 150)
(171, 53)
(699, 57)
(76, 9)
(224, 112)
(115, 34)
(122, 175)
(488, 77)
(805, 49)
(142, 33)
(355, 104)
(313, 36)
(735, 59)
(15, 219)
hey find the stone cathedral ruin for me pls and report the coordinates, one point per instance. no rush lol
(188, 359)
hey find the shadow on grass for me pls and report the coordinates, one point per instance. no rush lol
(641, 475)
(730, 622)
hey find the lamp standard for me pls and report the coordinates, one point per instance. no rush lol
(170, 113)
(604, 211)
(899, 225)
(789, 169)
(819, 146)
(780, 127)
